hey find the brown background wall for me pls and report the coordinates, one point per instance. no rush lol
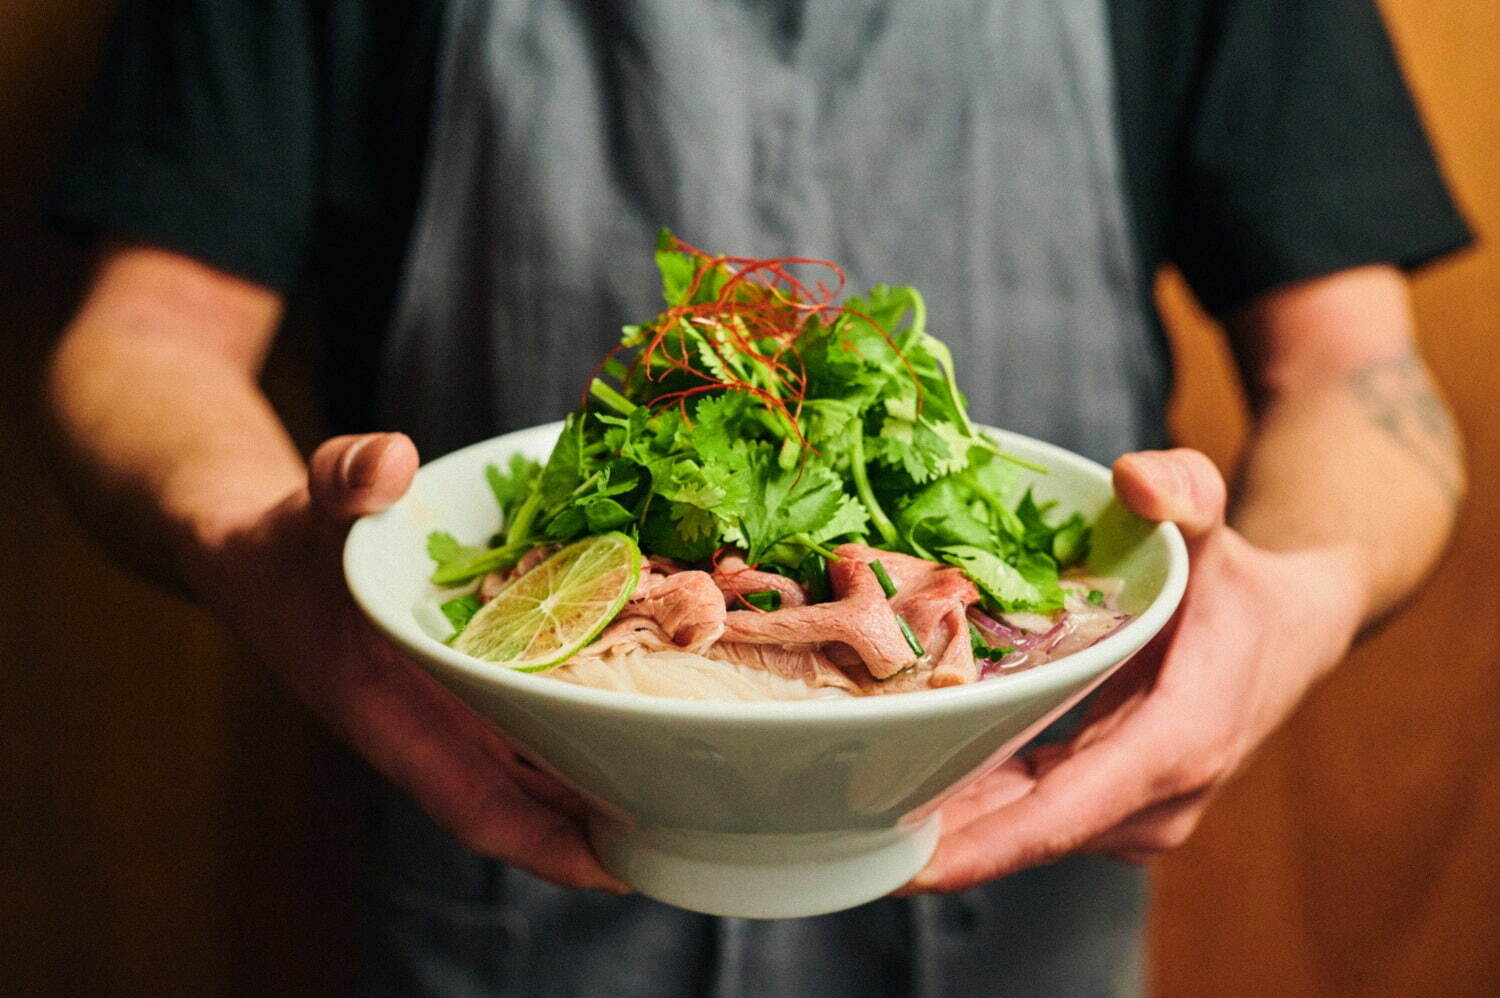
(172, 825)
(1358, 856)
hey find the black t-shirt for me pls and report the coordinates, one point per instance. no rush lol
(285, 140)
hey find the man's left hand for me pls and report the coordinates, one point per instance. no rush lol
(1256, 630)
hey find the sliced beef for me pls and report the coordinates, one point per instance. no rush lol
(905, 681)
(934, 602)
(531, 559)
(806, 664)
(906, 572)
(858, 616)
(685, 676)
(933, 598)
(627, 636)
(664, 565)
(735, 578)
(852, 644)
(956, 665)
(491, 584)
(686, 606)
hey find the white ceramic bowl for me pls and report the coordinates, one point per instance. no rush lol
(762, 810)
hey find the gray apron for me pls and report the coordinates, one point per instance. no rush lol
(969, 149)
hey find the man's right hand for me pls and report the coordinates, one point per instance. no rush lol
(278, 583)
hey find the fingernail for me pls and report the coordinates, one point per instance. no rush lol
(361, 463)
(1168, 474)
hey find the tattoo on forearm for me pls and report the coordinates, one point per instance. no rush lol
(1398, 396)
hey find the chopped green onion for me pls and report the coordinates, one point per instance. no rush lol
(982, 648)
(1096, 597)
(768, 600)
(814, 571)
(911, 639)
(884, 577)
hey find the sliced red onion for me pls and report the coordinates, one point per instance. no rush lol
(1074, 631)
(1021, 658)
(1032, 623)
(996, 633)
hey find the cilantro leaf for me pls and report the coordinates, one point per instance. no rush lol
(693, 522)
(458, 562)
(718, 423)
(1070, 544)
(785, 501)
(604, 514)
(922, 449)
(677, 270)
(443, 547)
(1067, 542)
(564, 470)
(1031, 584)
(828, 422)
(946, 512)
(460, 610)
(660, 535)
(511, 485)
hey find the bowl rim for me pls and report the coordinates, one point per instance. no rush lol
(1070, 670)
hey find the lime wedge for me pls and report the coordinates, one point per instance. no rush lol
(545, 616)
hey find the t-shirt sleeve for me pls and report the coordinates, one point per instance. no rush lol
(201, 136)
(1304, 154)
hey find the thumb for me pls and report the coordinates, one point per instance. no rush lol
(351, 476)
(1180, 486)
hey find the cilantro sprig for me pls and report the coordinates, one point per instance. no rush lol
(755, 413)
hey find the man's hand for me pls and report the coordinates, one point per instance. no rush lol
(1256, 629)
(278, 584)
(170, 450)
(1347, 492)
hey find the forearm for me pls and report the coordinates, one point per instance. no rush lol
(1358, 459)
(166, 441)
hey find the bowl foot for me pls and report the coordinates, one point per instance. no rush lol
(762, 876)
